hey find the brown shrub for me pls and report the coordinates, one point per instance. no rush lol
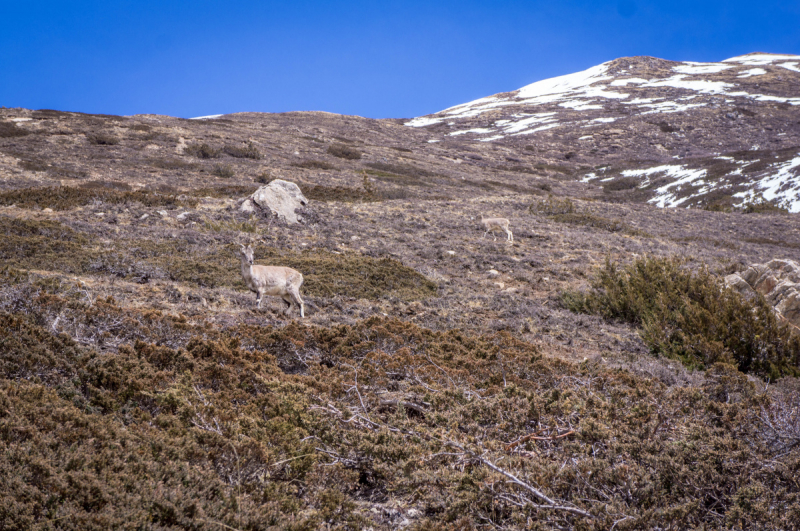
(68, 197)
(344, 152)
(11, 130)
(314, 165)
(248, 151)
(201, 151)
(223, 171)
(102, 139)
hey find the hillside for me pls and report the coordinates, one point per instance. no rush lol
(676, 133)
(441, 379)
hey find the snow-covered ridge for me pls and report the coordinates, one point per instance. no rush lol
(592, 89)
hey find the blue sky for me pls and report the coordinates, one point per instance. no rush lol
(384, 59)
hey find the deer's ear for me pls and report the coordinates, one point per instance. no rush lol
(241, 246)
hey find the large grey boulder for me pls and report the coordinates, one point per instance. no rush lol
(281, 197)
(778, 281)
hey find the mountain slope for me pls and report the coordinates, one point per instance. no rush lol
(677, 133)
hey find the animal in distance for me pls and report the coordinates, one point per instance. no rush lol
(497, 224)
(275, 281)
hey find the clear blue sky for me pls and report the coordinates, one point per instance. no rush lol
(381, 59)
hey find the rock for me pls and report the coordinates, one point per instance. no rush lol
(47, 210)
(282, 198)
(163, 213)
(144, 217)
(248, 207)
(183, 215)
(778, 281)
(493, 273)
(450, 253)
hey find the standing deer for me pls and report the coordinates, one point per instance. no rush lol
(276, 281)
(497, 224)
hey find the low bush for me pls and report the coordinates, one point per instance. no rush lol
(763, 207)
(223, 171)
(69, 197)
(407, 170)
(344, 152)
(11, 130)
(624, 183)
(248, 151)
(692, 317)
(102, 139)
(314, 165)
(201, 151)
(340, 193)
(552, 205)
(229, 190)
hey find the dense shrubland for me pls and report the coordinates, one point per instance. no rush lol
(190, 426)
(692, 317)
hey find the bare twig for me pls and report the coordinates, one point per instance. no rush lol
(533, 436)
(551, 504)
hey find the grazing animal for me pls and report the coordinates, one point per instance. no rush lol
(277, 281)
(497, 224)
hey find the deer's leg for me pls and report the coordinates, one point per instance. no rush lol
(295, 294)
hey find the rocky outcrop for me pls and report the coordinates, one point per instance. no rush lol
(279, 196)
(778, 281)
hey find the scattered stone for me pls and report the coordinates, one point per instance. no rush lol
(450, 253)
(493, 273)
(163, 213)
(47, 210)
(248, 207)
(282, 198)
(144, 217)
(183, 215)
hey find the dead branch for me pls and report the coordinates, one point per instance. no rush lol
(551, 504)
(533, 436)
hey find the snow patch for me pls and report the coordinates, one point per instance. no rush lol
(423, 121)
(209, 117)
(478, 131)
(665, 196)
(758, 59)
(623, 82)
(790, 66)
(579, 105)
(753, 72)
(700, 68)
(783, 187)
